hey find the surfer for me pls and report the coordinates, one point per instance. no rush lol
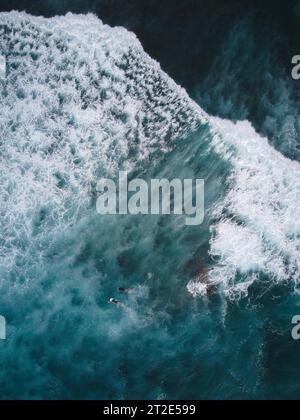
(116, 302)
(123, 290)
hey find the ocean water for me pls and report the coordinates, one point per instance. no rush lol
(83, 100)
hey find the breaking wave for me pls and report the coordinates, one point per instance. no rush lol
(81, 101)
(259, 232)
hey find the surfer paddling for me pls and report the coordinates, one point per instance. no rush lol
(116, 302)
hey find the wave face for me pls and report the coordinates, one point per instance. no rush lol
(81, 101)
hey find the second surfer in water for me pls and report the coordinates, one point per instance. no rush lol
(123, 290)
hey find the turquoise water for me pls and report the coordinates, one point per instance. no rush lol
(90, 104)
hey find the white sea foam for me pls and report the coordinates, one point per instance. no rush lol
(80, 100)
(259, 222)
(197, 288)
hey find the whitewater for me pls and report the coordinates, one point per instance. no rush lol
(82, 101)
